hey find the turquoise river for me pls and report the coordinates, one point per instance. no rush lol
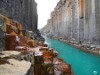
(82, 63)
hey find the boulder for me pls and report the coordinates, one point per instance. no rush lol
(16, 63)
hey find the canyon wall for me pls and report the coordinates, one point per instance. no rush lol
(23, 11)
(18, 11)
(77, 20)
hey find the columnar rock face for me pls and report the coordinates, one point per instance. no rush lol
(76, 20)
(23, 11)
(18, 11)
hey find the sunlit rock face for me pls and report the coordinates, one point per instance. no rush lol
(23, 11)
(75, 20)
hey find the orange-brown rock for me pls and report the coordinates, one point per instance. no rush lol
(11, 41)
(17, 25)
(14, 28)
(46, 53)
(31, 43)
(47, 57)
(43, 49)
(60, 65)
(68, 70)
(9, 30)
(48, 60)
(23, 40)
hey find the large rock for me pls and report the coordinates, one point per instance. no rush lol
(15, 67)
(16, 63)
(2, 33)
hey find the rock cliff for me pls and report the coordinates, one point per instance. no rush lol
(18, 11)
(75, 20)
(23, 11)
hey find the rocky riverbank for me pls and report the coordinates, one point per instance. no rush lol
(84, 47)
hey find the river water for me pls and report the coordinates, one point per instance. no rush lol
(82, 63)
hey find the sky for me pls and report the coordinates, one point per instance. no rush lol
(44, 9)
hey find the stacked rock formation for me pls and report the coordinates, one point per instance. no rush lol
(50, 63)
(75, 20)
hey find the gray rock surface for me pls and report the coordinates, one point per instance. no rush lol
(2, 34)
(23, 11)
(16, 63)
(15, 67)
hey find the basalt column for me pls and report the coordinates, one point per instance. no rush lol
(77, 21)
(81, 21)
(97, 19)
(23, 11)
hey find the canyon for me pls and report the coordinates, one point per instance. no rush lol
(76, 22)
(22, 48)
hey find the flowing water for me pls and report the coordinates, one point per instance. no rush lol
(82, 63)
